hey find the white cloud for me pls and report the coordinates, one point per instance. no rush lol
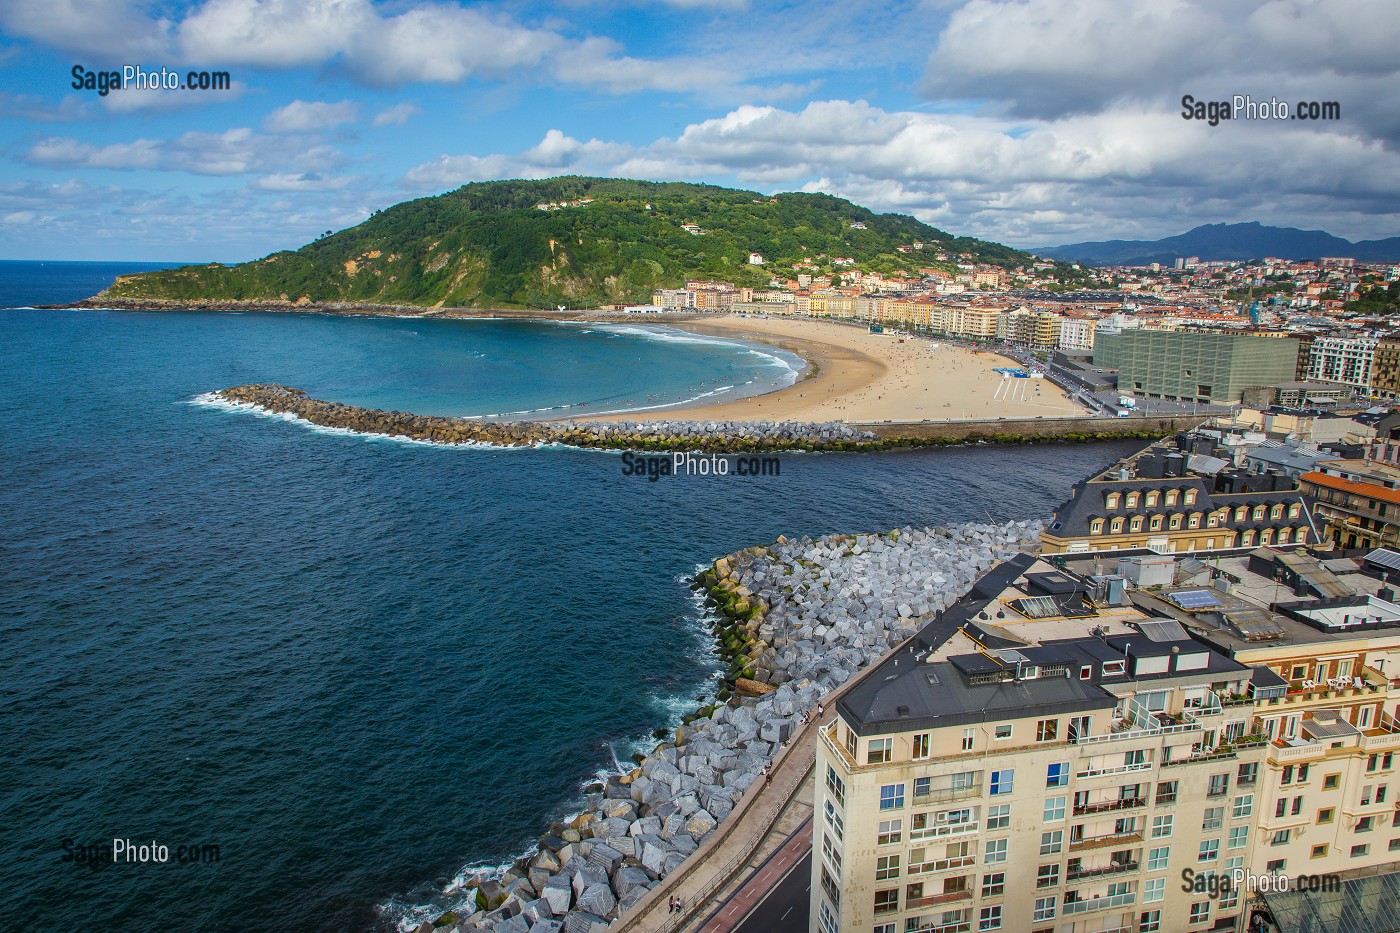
(164, 100)
(69, 108)
(305, 181)
(555, 154)
(110, 31)
(58, 152)
(397, 115)
(272, 33)
(237, 151)
(302, 116)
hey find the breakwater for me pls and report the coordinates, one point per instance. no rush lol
(812, 613)
(659, 434)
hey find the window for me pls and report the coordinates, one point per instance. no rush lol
(1281, 807)
(1276, 866)
(1276, 512)
(1131, 500)
(1244, 806)
(1294, 509)
(833, 819)
(1003, 731)
(994, 884)
(1154, 889)
(1365, 824)
(1239, 837)
(1157, 858)
(1258, 513)
(1189, 498)
(1044, 908)
(1241, 514)
(1200, 912)
(851, 744)
(835, 785)
(989, 918)
(885, 928)
(1281, 837)
(1247, 774)
(1174, 522)
(1161, 826)
(1057, 775)
(996, 851)
(1193, 520)
(879, 751)
(1112, 501)
(1319, 850)
(920, 746)
(891, 796)
(887, 901)
(1358, 851)
(832, 889)
(1054, 809)
(968, 736)
(965, 780)
(1209, 851)
(1287, 777)
(1116, 525)
(1135, 524)
(1046, 730)
(1052, 842)
(1394, 845)
(1298, 805)
(999, 816)
(1156, 523)
(1219, 785)
(923, 787)
(891, 831)
(828, 919)
(1002, 782)
(1150, 922)
(1166, 792)
(1214, 818)
(1151, 500)
(1171, 497)
(1047, 876)
(886, 867)
(1096, 527)
(832, 853)
(1326, 814)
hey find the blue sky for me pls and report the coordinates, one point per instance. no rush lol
(1031, 122)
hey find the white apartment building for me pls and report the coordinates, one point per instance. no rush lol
(1347, 360)
(1077, 333)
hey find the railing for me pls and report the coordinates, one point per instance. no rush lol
(942, 864)
(1119, 769)
(1216, 755)
(941, 830)
(1099, 842)
(1107, 806)
(1112, 868)
(949, 794)
(1100, 903)
(1294, 752)
(962, 926)
(933, 900)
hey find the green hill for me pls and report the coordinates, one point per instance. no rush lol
(489, 245)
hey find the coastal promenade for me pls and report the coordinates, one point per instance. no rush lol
(761, 822)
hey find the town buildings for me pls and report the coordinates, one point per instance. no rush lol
(1203, 367)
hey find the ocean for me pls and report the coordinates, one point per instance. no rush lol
(357, 665)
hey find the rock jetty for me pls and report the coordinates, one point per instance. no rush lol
(803, 616)
(704, 436)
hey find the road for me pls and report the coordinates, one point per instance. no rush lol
(785, 908)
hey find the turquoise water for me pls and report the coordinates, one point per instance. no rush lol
(356, 665)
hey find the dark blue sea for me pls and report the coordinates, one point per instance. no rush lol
(358, 665)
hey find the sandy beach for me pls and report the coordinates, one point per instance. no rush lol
(864, 377)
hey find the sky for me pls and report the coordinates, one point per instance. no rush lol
(1028, 122)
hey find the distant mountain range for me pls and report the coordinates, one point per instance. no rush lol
(1237, 242)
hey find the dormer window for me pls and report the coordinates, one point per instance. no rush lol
(1189, 497)
(1096, 526)
(1136, 523)
(1194, 521)
(1175, 522)
(1156, 523)
(1110, 668)
(1150, 500)
(1112, 501)
(1117, 525)
(1132, 500)
(1258, 513)
(1171, 497)
(1241, 514)
(1276, 512)
(1293, 510)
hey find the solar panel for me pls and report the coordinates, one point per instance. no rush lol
(1036, 607)
(1194, 599)
(1384, 557)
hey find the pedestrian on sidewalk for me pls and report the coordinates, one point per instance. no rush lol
(671, 905)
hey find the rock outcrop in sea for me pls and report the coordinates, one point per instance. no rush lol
(800, 617)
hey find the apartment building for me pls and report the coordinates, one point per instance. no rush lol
(1348, 360)
(1077, 333)
(1357, 502)
(1060, 751)
(1168, 498)
(1062, 784)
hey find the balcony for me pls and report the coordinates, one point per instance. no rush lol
(1089, 843)
(942, 864)
(1216, 754)
(1100, 903)
(1112, 868)
(1107, 806)
(1118, 769)
(943, 830)
(949, 794)
(933, 900)
(962, 926)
